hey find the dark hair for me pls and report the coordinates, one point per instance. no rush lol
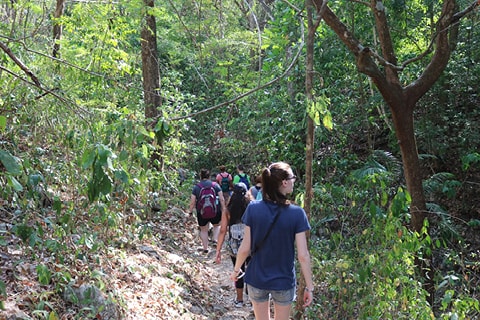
(272, 178)
(240, 167)
(204, 174)
(222, 168)
(237, 204)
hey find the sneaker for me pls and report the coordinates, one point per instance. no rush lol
(238, 304)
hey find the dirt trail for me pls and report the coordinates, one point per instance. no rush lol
(210, 293)
(224, 290)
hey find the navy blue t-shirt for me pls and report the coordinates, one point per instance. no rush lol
(272, 267)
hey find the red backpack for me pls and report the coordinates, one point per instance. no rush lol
(207, 201)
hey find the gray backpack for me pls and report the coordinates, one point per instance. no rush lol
(235, 238)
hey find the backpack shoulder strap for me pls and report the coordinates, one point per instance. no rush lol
(259, 245)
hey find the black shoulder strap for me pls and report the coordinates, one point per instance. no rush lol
(260, 244)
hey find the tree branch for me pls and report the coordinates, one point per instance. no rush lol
(456, 17)
(65, 62)
(248, 92)
(46, 91)
(19, 63)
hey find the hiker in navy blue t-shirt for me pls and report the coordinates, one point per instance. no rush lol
(217, 202)
(274, 228)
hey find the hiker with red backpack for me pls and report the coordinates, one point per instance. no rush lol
(224, 179)
(207, 199)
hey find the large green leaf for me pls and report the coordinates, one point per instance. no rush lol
(10, 163)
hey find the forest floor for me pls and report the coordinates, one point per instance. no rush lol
(163, 277)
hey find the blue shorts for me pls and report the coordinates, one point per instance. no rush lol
(280, 297)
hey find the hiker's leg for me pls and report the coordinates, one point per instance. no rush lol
(261, 302)
(239, 284)
(282, 303)
(281, 312)
(239, 292)
(216, 231)
(204, 236)
(261, 310)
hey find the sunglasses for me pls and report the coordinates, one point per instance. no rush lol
(292, 178)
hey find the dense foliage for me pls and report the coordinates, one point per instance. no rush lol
(74, 147)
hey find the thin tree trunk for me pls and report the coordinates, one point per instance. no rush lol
(151, 76)
(57, 28)
(309, 144)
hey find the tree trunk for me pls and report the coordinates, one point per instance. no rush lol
(151, 76)
(309, 144)
(402, 115)
(57, 28)
(404, 129)
(402, 100)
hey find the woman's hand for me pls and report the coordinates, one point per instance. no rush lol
(237, 275)
(307, 297)
(218, 257)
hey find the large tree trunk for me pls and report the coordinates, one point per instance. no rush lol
(151, 75)
(404, 129)
(401, 101)
(402, 115)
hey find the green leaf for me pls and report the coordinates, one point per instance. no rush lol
(88, 158)
(44, 274)
(474, 223)
(35, 179)
(52, 316)
(3, 123)
(23, 231)
(162, 130)
(105, 184)
(469, 159)
(104, 154)
(447, 298)
(313, 113)
(15, 184)
(10, 163)
(328, 121)
(121, 175)
(3, 289)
